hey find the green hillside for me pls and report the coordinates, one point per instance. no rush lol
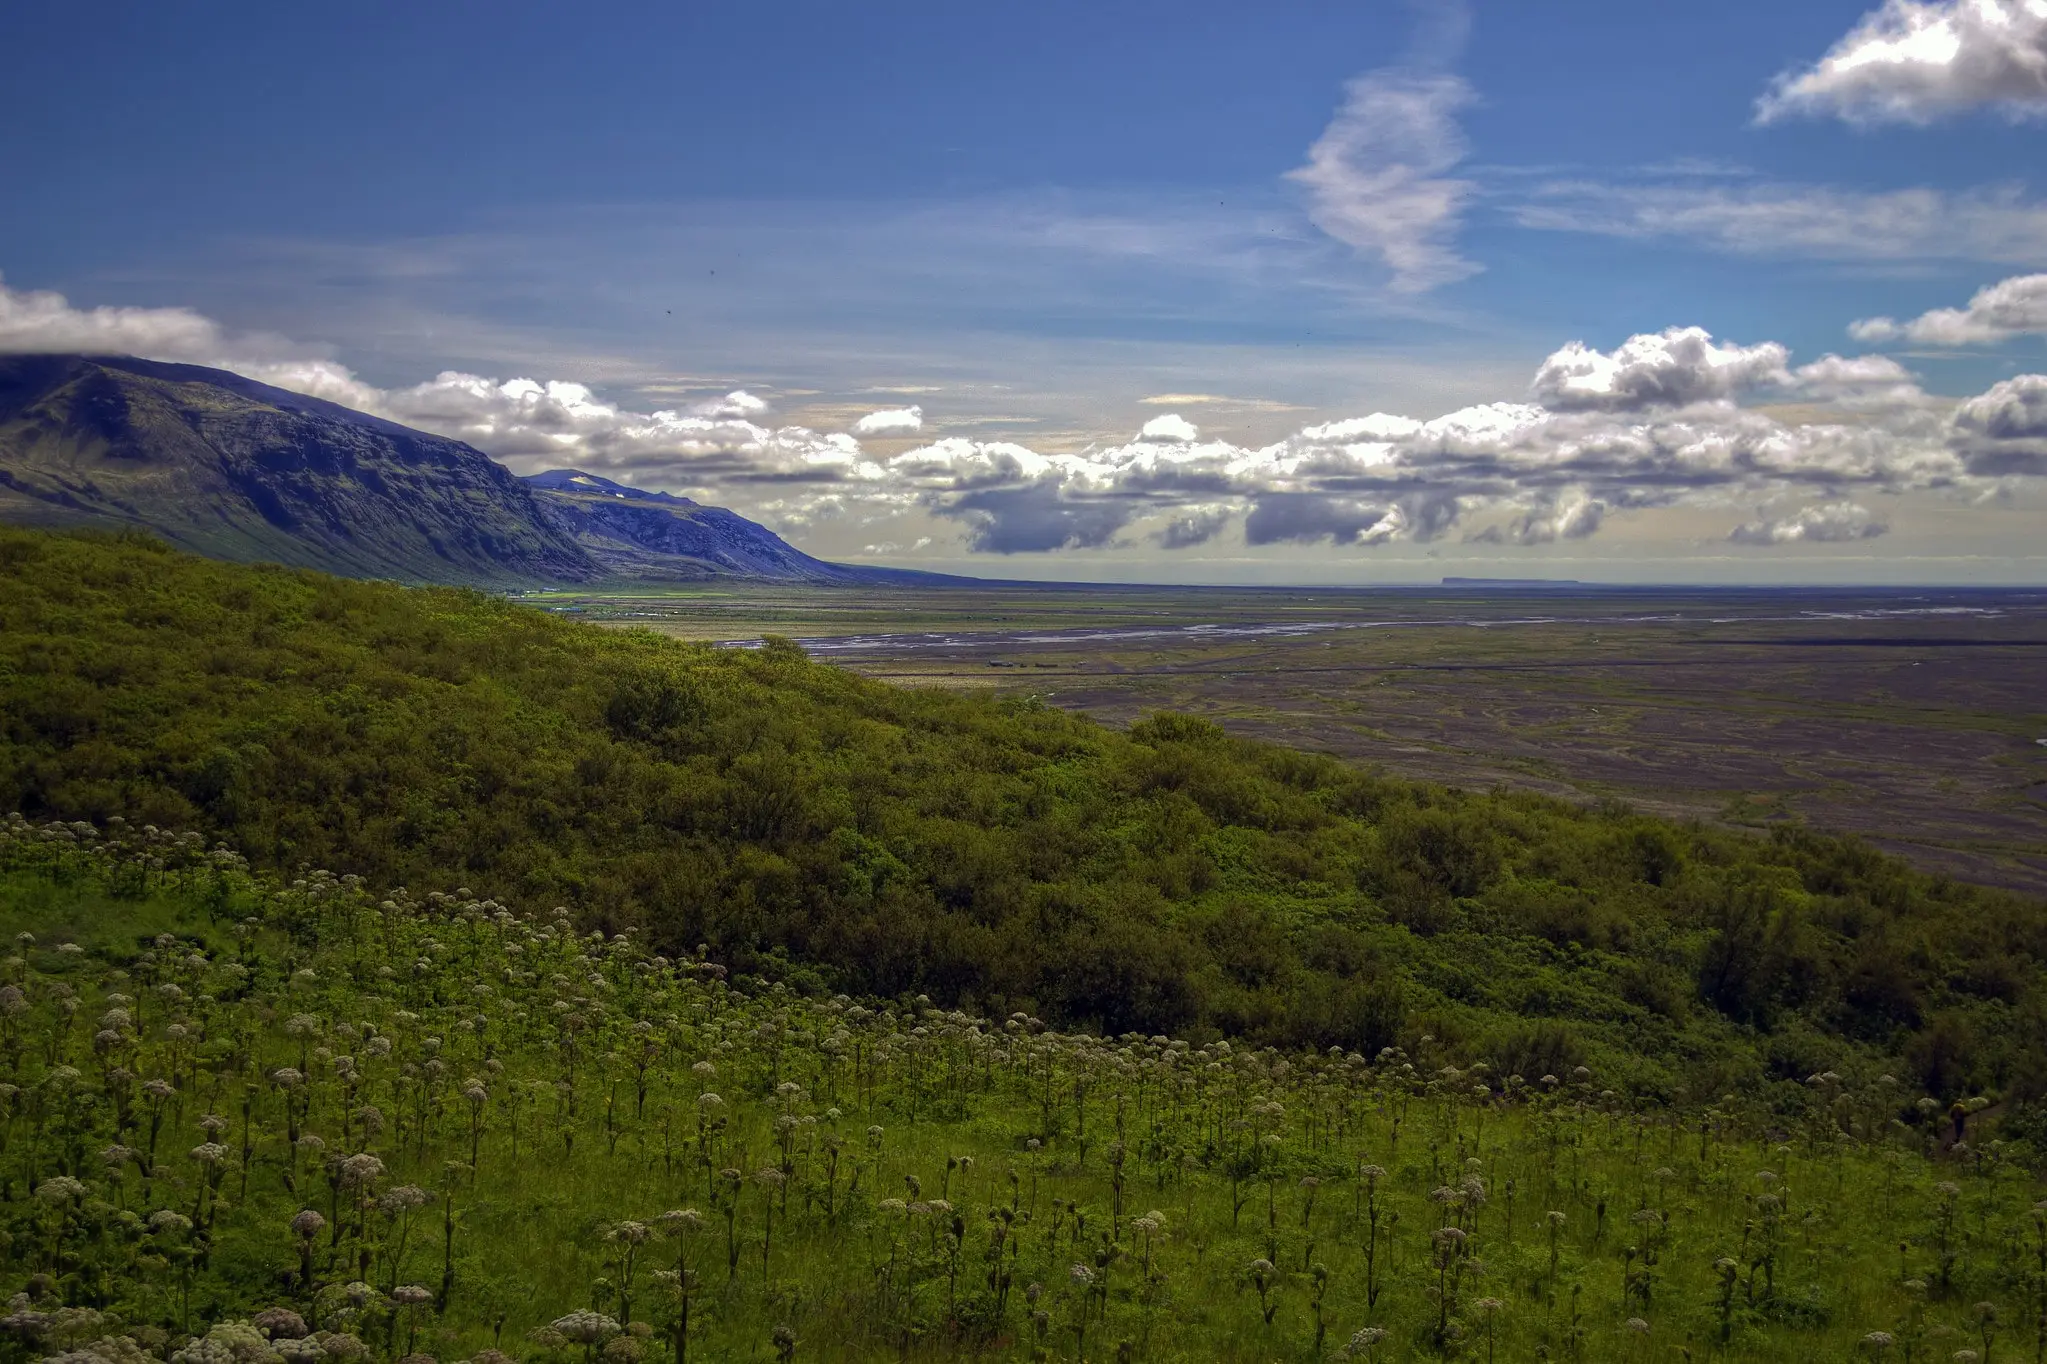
(838, 834)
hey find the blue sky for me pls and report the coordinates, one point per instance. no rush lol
(1039, 225)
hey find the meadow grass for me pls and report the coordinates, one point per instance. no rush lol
(387, 1126)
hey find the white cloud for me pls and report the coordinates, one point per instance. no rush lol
(1653, 423)
(1670, 369)
(1193, 399)
(1380, 426)
(1871, 387)
(1915, 61)
(1172, 426)
(895, 421)
(1834, 522)
(2009, 308)
(532, 424)
(43, 321)
(1657, 421)
(1855, 377)
(738, 405)
(40, 321)
(1377, 178)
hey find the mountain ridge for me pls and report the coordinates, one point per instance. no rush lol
(236, 469)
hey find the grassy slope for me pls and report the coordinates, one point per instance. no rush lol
(838, 832)
(537, 1094)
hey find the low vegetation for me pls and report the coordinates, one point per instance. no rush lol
(838, 835)
(252, 1120)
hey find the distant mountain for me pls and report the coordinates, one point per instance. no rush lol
(238, 470)
(234, 469)
(634, 533)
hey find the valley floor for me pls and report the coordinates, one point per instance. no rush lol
(1915, 719)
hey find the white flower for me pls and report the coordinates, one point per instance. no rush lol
(404, 1198)
(229, 1342)
(361, 1169)
(1365, 1340)
(586, 1328)
(60, 1189)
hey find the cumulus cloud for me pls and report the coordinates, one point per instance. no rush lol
(1573, 515)
(1662, 419)
(895, 421)
(556, 422)
(1834, 522)
(1670, 369)
(1916, 61)
(1379, 426)
(1172, 427)
(2003, 432)
(1859, 378)
(1035, 519)
(1377, 176)
(737, 405)
(1999, 312)
(1307, 517)
(1653, 423)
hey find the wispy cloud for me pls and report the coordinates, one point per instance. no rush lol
(1915, 61)
(1776, 219)
(1377, 179)
(1217, 400)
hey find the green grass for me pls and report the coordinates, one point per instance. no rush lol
(901, 1181)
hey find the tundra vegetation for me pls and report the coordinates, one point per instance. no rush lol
(251, 1121)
